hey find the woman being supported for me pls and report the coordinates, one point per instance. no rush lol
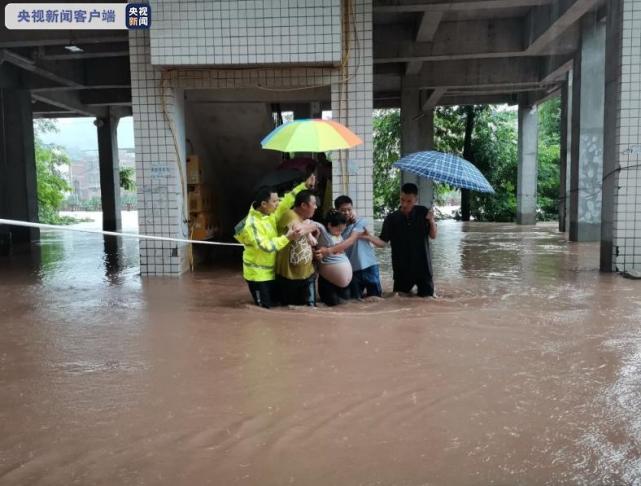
(335, 271)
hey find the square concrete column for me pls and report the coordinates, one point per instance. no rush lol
(353, 105)
(587, 133)
(159, 131)
(563, 162)
(18, 185)
(568, 151)
(621, 208)
(526, 190)
(109, 172)
(417, 134)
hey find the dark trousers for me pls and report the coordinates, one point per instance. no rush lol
(331, 294)
(366, 283)
(263, 293)
(424, 285)
(297, 292)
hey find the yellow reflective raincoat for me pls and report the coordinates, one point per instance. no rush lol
(258, 234)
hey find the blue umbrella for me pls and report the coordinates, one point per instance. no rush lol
(447, 168)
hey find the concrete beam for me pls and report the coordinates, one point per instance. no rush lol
(413, 67)
(9, 76)
(394, 101)
(396, 6)
(68, 101)
(90, 51)
(555, 69)
(22, 38)
(433, 98)
(492, 99)
(65, 73)
(546, 23)
(251, 95)
(482, 39)
(505, 72)
(105, 97)
(428, 26)
(107, 73)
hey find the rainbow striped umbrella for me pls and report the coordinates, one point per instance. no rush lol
(313, 135)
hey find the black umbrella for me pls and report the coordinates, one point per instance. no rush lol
(280, 179)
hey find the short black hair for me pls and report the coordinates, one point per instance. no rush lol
(409, 188)
(340, 200)
(303, 197)
(335, 218)
(263, 194)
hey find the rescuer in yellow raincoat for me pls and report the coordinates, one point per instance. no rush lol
(258, 234)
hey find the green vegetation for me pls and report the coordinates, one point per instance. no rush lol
(52, 186)
(494, 150)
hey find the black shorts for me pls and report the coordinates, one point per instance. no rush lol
(424, 285)
(264, 293)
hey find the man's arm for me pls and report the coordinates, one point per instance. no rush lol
(433, 229)
(385, 231)
(288, 199)
(373, 239)
(252, 237)
(342, 246)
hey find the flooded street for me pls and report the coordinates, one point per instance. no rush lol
(525, 370)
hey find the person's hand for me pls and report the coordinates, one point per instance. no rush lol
(294, 233)
(311, 181)
(429, 217)
(322, 253)
(364, 235)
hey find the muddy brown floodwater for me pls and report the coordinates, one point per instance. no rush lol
(526, 370)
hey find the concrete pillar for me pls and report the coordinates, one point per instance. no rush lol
(587, 133)
(302, 111)
(526, 191)
(564, 158)
(568, 151)
(109, 172)
(18, 185)
(417, 134)
(315, 110)
(353, 105)
(621, 208)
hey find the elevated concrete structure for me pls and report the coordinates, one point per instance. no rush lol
(109, 172)
(527, 170)
(410, 54)
(417, 134)
(587, 133)
(18, 199)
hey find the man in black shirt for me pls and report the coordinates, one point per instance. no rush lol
(409, 230)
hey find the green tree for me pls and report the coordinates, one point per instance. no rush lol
(128, 179)
(494, 151)
(52, 186)
(549, 159)
(387, 150)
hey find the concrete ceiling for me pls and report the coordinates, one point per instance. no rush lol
(456, 51)
(472, 51)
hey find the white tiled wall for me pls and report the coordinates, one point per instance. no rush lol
(160, 149)
(233, 32)
(625, 90)
(352, 105)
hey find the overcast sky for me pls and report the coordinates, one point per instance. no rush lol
(80, 133)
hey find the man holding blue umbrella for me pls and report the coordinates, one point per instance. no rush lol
(408, 230)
